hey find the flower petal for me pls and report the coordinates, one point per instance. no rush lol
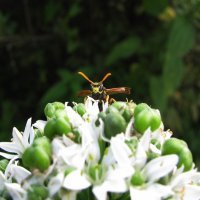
(145, 140)
(7, 155)
(163, 191)
(154, 149)
(192, 192)
(74, 156)
(129, 129)
(16, 191)
(40, 124)
(55, 183)
(140, 157)
(186, 178)
(19, 173)
(139, 194)
(121, 152)
(100, 192)
(76, 181)
(2, 180)
(10, 147)
(18, 139)
(118, 186)
(31, 136)
(26, 133)
(74, 117)
(120, 172)
(159, 167)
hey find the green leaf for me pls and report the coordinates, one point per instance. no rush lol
(74, 10)
(155, 7)
(181, 38)
(123, 49)
(158, 93)
(173, 74)
(51, 10)
(56, 92)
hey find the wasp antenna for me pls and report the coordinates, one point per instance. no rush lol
(84, 76)
(105, 77)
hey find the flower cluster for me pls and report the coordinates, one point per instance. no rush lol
(92, 151)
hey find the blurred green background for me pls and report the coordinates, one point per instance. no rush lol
(151, 46)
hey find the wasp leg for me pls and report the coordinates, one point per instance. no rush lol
(107, 98)
(111, 100)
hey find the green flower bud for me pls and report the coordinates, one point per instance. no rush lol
(140, 107)
(147, 118)
(57, 126)
(36, 157)
(38, 192)
(80, 109)
(119, 105)
(44, 143)
(51, 108)
(137, 179)
(180, 148)
(114, 123)
(112, 109)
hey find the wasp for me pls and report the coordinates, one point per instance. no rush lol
(99, 92)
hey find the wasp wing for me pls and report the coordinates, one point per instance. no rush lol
(122, 90)
(84, 93)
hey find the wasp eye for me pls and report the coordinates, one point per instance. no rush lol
(101, 87)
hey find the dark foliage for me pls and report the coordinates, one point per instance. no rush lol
(152, 47)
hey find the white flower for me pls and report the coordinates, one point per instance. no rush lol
(2, 180)
(112, 181)
(19, 143)
(153, 171)
(92, 109)
(17, 173)
(55, 183)
(16, 191)
(74, 118)
(152, 192)
(186, 185)
(40, 124)
(108, 176)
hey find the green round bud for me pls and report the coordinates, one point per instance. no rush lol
(114, 123)
(80, 109)
(119, 105)
(38, 192)
(143, 121)
(112, 109)
(180, 148)
(44, 143)
(49, 110)
(137, 179)
(41, 159)
(28, 157)
(139, 108)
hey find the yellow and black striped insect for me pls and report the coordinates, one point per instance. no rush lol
(99, 92)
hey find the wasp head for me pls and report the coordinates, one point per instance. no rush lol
(96, 87)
